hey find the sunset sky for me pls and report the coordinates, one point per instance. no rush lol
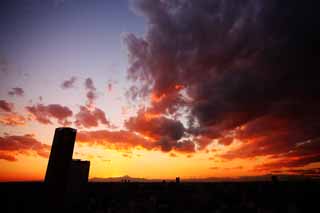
(160, 88)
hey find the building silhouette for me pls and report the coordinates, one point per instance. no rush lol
(274, 179)
(78, 175)
(65, 176)
(60, 157)
(177, 179)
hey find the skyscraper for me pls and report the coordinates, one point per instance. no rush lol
(177, 179)
(60, 157)
(66, 178)
(78, 175)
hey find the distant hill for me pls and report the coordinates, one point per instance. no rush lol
(209, 179)
(123, 178)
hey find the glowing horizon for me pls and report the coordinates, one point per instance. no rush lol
(155, 91)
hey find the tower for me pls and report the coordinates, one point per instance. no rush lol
(65, 178)
(60, 157)
(78, 175)
(177, 179)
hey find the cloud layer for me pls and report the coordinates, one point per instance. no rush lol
(45, 113)
(245, 69)
(12, 146)
(126, 140)
(17, 91)
(6, 106)
(91, 92)
(67, 84)
(8, 116)
(88, 118)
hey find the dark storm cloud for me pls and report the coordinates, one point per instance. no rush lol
(164, 131)
(155, 127)
(239, 62)
(183, 146)
(17, 91)
(301, 154)
(279, 134)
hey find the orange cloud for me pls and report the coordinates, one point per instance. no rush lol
(88, 118)
(7, 157)
(6, 106)
(157, 98)
(45, 113)
(12, 119)
(114, 139)
(155, 126)
(223, 89)
(178, 86)
(126, 140)
(11, 146)
(8, 116)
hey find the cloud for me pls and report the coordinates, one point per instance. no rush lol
(127, 140)
(4, 64)
(12, 119)
(67, 84)
(12, 146)
(88, 118)
(91, 92)
(167, 133)
(239, 69)
(17, 91)
(45, 113)
(6, 106)
(109, 87)
(227, 168)
(8, 116)
(114, 139)
(288, 163)
(7, 157)
(298, 156)
(308, 172)
(155, 126)
(287, 139)
(89, 84)
(182, 146)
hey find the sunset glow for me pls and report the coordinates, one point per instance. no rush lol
(158, 90)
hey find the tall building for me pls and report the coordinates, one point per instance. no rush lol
(60, 157)
(65, 178)
(78, 175)
(177, 179)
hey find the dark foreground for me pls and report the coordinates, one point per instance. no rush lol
(260, 197)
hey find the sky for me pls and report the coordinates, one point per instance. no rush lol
(159, 88)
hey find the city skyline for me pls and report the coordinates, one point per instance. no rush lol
(160, 89)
